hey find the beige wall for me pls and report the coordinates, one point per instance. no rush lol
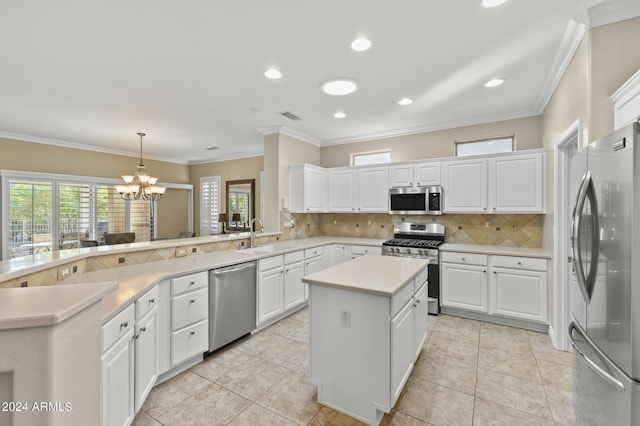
(437, 144)
(244, 168)
(172, 219)
(36, 157)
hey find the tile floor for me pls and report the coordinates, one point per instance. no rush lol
(469, 373)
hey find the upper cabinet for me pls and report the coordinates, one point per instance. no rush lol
(421, 174)
(358, 190)
(508, 183)
(465, 186)
(308, 188)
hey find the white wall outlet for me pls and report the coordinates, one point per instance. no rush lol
(181, 251)
(64, 272)
(345, 319)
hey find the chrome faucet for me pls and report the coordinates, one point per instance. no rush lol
(252, 235)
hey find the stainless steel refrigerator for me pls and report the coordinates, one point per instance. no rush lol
(605, 237)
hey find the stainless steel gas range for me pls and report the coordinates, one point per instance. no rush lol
(420, 240)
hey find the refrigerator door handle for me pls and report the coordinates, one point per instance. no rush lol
(617, 384)
(586, 281)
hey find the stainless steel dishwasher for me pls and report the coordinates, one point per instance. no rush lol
(232, 303)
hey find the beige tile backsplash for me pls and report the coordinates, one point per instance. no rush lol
(523, 230)
(502, 230)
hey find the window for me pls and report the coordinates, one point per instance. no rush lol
(368, 158)
(209, 205)
(47, 212)
(486, 146)
(239, 203)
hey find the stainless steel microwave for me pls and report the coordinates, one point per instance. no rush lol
(426, 200)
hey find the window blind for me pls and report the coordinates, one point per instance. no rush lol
(209, 205)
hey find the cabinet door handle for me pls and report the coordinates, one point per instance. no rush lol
(415, 305)
(520, 263)
(192, 283)
(464, 259)
(124, 324)
(192, 301)
(143, 329)
(152, 301)
(192, 333)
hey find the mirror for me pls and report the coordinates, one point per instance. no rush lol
(240, 204)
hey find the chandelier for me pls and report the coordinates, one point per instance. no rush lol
(140, 185)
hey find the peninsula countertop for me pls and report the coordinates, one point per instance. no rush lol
(374, 274)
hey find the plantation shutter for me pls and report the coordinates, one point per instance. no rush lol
(209, 205)
(30, 226)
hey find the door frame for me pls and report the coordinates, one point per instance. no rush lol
(563, 208)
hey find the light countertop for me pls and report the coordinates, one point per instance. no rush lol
(497, 250)
(375, 274)
(51, 305)
(134, 280)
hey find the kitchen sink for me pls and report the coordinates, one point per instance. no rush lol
(259, 249)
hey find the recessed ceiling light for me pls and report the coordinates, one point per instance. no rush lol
(273, 74)
(361, 44)
(493, 3)
(339, 86)
(339, 114)
(494, 82)
(405, 101)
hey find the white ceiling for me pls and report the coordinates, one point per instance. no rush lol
(91, 74)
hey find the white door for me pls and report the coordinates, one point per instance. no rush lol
(464, 287)
(402, 353)
(422, 316)
(118, 383)
(293, 285)
(427, 174)
(401, 175)
(342, 191)
(270, 297)
(515, 183)
(373, 192)
(520, 294)
(315, 190)
(146, 356)
(465, 183)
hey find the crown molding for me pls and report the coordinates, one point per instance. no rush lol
(291, 133)
(73, 145)
(571, 40)
(432, 127)
(612, 11)
(228, 158)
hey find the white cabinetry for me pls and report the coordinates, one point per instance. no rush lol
(464, 281)
(118, 369)
(293, 285)
(280, 287)
(402, 355)
(358, 190)
(421, 174)
(146, 345)
(357, 251)
(465, 185)
(314, 261)
(270, 288)
(189, 317)
(515, 183)
(373, 193)
(308, 189)
(519, 288)
(335, 254)
(516, 287)
(509, 183)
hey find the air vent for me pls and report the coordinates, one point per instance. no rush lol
(290, 116)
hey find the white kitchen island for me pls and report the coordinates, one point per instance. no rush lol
(368, 322)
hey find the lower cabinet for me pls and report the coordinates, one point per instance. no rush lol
(293, 286)
(146, 346)
(513, 287)
(402, 348)
(118, 369)
(189, 317)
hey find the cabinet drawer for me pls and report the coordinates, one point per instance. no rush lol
(117, 327)
(189, 308)
(189, 282)
(270, 263)
(296, 256)
(146, 302)
(530, 263)
(362, 250)
(312, 252)
(465, 258)
(402, 297)
(421, 278)
(189, 342)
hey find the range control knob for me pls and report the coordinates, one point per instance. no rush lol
(420, 252)
(408, 251)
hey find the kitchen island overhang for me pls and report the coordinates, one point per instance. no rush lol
(367, 325)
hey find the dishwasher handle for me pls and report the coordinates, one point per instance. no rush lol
(223, 271)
